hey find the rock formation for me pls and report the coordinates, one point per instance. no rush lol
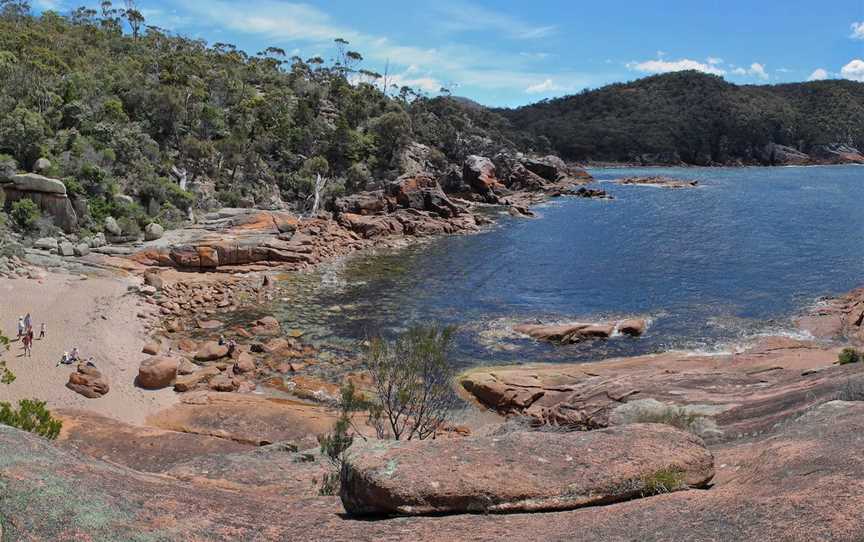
(49, 194)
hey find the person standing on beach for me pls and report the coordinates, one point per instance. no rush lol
(28, 345)
(28, 323)
(42, 329)
(20, 326)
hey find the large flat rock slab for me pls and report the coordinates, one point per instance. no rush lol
(246, 419)
(737, 394)
(522, 471)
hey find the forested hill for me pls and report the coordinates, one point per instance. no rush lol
(696, 118)
(117, 107)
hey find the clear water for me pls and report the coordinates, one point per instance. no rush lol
(738, 256)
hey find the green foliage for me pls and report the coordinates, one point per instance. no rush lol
(8, 166)
(663, 481)
(848, 355)
(6, 376)
(695, 118)
(31, 416)
(25, 213)
(335, 444)
(679, 417)
(413, 382)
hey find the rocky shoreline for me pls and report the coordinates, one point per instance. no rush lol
(676, 445)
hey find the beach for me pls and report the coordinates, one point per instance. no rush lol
(95, 314)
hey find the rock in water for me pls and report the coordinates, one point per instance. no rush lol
(522, 471)
(157, 372)
(88, 381)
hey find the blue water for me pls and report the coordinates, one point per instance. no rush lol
(711, 267)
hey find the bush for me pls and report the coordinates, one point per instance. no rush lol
(412, 379)
(663, 481)
(848, 355)
(31, 416)
(335, 444)
(25, 213)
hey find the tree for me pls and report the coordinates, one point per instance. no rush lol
(134, 18)
(413, 383)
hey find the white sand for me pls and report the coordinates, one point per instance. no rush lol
(96, 315)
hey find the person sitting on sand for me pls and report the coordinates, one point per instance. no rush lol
(221, 340)
(74, 355)
(42, 329)
(232, 345)
(64, 360)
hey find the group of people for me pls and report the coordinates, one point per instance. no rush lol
(26, 333)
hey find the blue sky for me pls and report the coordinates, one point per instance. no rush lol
(509, 52)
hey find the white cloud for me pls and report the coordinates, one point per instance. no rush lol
(460, 16)
(546, 86)
(288, 25)
(48, 5)
(667, 66)
(818, 75)
(714, 61)
(758, 70)
(857, 31)
(854, 70)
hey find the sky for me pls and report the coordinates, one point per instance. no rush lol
(512, 52)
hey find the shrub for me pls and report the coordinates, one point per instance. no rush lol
(663, 481)
(8, 167)
(32, 416)
(25, 213)
(6, 376)
(335, 444)
(679, 417)
(412, 379)
(848, 355)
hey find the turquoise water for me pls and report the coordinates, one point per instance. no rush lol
(710, 267)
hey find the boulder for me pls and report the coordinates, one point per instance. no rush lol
(371, 226)
(550, 167)
(211, 351)
(65, 248)
(81, 249)
(479, 173)
(157, 372)
(223, 383)
(153, 231)
(153, 279)
(775, 154)
(190, 381)
(186, 367)
(112, 227)
(151, 349)
(364, 203)
(88, 381)
(31, 182)
(46, 243)
(209, 324)
(416, 158)
(245, 363)
(526, 471)
(42, 165)
(266, 326)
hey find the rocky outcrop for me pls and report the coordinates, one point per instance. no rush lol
(153, 231)
(49, 194)
(521, 471)
(749, 391)
(778, 155)
(422, 192)
(837, 154)
(839, 317)
(88, 381)
(364, 203)
(479, 173)
(659, 181)
(571, 333)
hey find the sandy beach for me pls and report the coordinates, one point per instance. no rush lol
(98, 316)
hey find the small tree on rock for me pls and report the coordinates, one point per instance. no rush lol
(413, 383)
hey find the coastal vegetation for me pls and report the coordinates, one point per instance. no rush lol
(696, 118)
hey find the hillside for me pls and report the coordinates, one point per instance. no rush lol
(116, 108)
(696, 118)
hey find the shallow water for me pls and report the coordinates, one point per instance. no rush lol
(711, 267)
